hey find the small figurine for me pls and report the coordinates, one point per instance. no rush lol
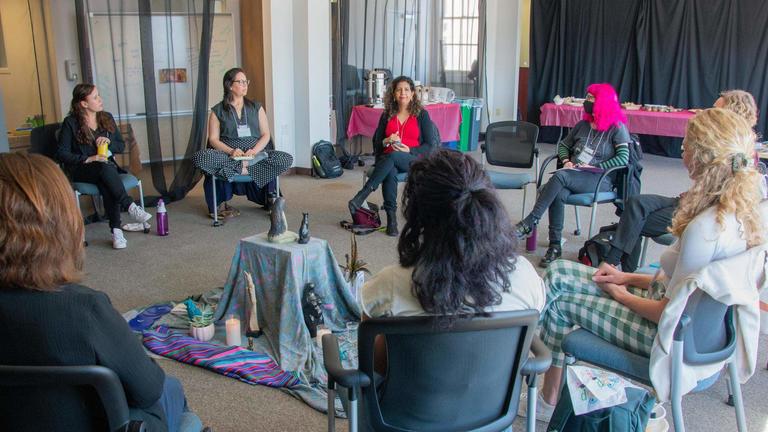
(304, 230)
(278, 229)
(311, 307)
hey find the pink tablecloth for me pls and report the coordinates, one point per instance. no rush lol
(447, 118)
(639, 121)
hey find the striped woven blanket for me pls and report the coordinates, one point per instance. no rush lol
(234, 362)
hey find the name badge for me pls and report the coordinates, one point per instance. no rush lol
(586, 156)
(243, 131)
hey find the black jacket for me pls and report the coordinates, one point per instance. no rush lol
(429, 136)
(72, 153)
(72, 326)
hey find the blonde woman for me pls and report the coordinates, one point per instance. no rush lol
(740, 102)
(718, 217)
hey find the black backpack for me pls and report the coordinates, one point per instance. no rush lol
(325, 163)
(631, 186)
(596, 248)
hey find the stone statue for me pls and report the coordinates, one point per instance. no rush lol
(304, 230)
(278, 229)
(312, 309)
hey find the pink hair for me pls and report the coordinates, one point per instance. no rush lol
(607, 111)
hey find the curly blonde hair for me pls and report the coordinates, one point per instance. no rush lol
(742, 103)
(721, 143)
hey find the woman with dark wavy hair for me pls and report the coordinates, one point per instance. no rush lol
(457, 248)
(404, 133)
(87, 126)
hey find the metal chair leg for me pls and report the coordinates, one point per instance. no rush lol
(141, 200)
(738, 403)
(645, 241)
(592, 220)
(216, 222)
(578, 222)
(525, 193)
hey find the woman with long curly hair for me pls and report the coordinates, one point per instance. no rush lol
(404, 133)
(457, 248)
(600, 140)
(719, 217)
(83, 130)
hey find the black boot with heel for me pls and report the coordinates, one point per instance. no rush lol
(392, 222)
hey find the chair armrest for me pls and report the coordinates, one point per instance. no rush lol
(544, 167)
(682, 327)
(541, 360)
(604, 175)
(349, 378)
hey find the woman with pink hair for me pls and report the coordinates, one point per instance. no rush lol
(599, 140)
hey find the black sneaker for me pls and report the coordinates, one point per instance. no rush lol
(553, 253)
(523, 230)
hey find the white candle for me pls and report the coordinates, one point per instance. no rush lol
(233, 331)
(320, 332)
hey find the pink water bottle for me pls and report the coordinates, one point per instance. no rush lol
(162, 219)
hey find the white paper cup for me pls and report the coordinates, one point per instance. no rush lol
(657, 422)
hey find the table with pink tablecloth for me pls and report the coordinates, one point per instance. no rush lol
(447, 118)
(670, 124)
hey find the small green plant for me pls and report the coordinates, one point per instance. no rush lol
(204, 319)
(353, 264)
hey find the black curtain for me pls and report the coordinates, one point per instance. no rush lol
(172, 141)
(680, 53)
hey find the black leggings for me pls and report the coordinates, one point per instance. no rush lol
(105, 176)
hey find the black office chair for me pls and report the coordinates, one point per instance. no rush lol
(466, 378)
(103, 381)
(512, 144)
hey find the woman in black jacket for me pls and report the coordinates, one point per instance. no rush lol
(87, 126)
(405, 132)
(47, 318)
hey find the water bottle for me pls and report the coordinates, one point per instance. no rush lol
(530, 242)
(162, 219)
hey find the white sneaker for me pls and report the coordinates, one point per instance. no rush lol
(543, 410)
(118, 239)
(138, 213)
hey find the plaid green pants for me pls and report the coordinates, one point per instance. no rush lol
(574, 300)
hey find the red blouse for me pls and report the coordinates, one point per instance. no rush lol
(408, 131)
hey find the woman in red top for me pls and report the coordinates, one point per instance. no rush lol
(404, 133)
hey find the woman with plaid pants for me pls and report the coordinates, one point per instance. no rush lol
(717, 218)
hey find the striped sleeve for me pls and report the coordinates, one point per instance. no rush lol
(563, 151)
(620, 158)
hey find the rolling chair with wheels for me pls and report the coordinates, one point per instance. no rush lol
(512, 144)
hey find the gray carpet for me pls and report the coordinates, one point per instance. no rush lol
(196, 257)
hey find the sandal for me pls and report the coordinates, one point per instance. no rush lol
(231, 210)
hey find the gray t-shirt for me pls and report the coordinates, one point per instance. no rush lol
(589, 146)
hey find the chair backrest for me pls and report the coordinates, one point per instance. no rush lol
(466, 377)
(711, 336)
(53, 382)
(44, 140)
(511, 143)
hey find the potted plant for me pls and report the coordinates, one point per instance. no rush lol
(354, 268)
(201, 326)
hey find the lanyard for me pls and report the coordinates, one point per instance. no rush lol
(244, 117)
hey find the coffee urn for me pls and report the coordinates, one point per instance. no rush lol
(377, 86)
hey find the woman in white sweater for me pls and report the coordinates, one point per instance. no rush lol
(718, 217)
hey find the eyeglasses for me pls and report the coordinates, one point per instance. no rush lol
(242, 82)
